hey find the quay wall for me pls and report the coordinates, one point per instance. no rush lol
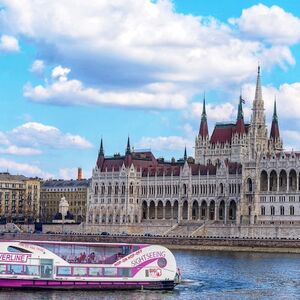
(187, 243)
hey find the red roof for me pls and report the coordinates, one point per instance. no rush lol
(223, 132)
(274, 134)
(203, 130)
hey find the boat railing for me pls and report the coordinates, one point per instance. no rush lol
(92, 258)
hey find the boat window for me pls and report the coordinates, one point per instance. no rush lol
(125, 250)
(2, 269)
(79, 271)
(95, 271)
(110, 271)
(15, 269)
(135, 248)
(64, 271)
(17, 249)
(125, 272)
(32, 270)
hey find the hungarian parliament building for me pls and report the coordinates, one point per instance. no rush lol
(239, 175)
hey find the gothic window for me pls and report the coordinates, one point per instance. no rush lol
(109, 189)
(263, 210)
(281, 210)
(292, 210)
(272, 210)
(249, 185)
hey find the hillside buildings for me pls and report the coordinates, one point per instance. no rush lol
(240, 175)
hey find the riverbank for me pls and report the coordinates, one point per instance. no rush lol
(178, 243)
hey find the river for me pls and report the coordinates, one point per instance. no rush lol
(206, 275)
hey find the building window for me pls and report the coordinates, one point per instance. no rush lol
(272, 210)
(263, 210)
(292, 210)
(282, 210)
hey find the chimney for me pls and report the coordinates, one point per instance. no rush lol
(79, 174)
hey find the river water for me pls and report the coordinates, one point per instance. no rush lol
(206, 275)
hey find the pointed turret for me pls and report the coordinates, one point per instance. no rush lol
(185, 155)
(240, 125)
(100, 158)
(128, 154)
(258, 92)
(274, 134)
(203, 131)
(128, 150)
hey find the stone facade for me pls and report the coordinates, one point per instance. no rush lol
(239, 175)
(75, 193)
(19, 198)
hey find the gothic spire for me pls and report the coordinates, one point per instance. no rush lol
(240, 126)
(100, 158)
(203, 131)
(128, 150)
(185, 155)
(258, 92)
(101, 150)
(240, 114)
(274, 134)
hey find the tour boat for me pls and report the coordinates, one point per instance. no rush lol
(66, 265)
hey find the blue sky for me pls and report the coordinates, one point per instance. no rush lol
(73, 71)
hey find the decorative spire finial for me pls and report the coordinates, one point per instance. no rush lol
(275, 117)
(185, 155)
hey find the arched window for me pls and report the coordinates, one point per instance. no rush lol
(249, 185)
(272, 210)
(263, 210)
(292, 210)
(282, 210)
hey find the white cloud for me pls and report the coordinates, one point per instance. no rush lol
(37, 67)
(215, 112)
(63, 91)
(165, 143)
(9, 44)
(38, 134)
(67, 173)
(270, 23)
(14, 150)
(287, 99)
(138, 44)
(60, 73)
(24, 169)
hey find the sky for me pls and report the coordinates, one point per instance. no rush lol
(73, 71)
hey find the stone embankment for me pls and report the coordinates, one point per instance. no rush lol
(186, 243)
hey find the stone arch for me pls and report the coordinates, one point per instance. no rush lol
(160, 210)
(232, 210)
(152, 210)
(203, 210)
(145, 210)
(185, 208)
(212, 207)
(124, 219)
(222, 210)
(168, 210)
(263, 181)
(195, 210)
(282, 180)
(292, 180)
(175, 210)
(273, 181)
